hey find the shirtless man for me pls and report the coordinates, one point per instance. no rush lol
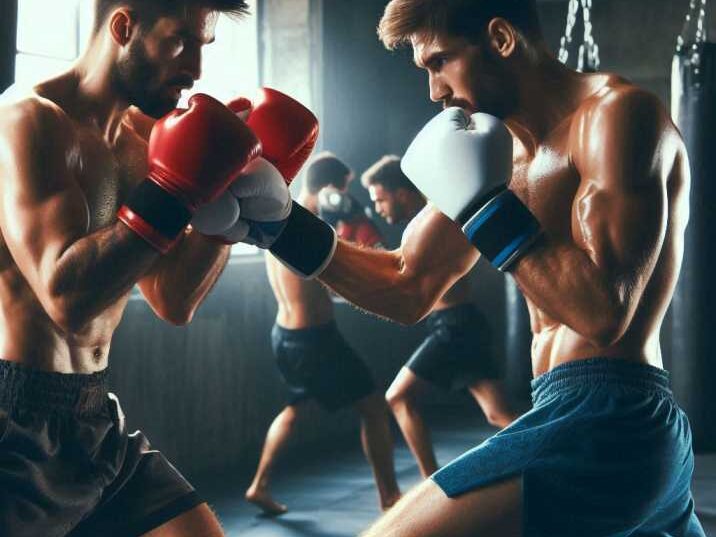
(458, 352)
(318, 366)
(591, 228)
(74, 157)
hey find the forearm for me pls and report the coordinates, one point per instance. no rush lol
(180, 280)
(376, 281)
(565, 283)
(95, 272)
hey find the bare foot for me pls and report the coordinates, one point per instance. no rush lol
(387, 503)
(263, 500)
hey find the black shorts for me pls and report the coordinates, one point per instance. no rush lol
(317, 363)
(458, 350)
(68, 467)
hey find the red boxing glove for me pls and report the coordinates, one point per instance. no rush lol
(193, 156)
(360, 231)
(288, 130)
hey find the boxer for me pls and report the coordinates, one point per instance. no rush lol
(318, 366)
(577, 185)
(92, 206)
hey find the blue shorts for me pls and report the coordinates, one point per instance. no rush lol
(605, 452)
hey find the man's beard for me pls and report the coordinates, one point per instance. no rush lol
(134, 78)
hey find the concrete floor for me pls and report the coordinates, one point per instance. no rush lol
(335, 495)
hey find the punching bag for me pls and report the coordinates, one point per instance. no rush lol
(693, 367)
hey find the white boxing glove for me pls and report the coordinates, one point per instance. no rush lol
(265, 204)
(462, 165)
(217, 216)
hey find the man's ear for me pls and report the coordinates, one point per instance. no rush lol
(121, 25)
(502, 37)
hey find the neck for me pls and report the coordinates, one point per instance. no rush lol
(548, 92)
(96, 100)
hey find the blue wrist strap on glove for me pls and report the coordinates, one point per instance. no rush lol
(306, 244)
(503, 229)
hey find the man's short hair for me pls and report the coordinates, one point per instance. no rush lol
(460, 18)
(148, 11)
(326, 169)
(387, 173)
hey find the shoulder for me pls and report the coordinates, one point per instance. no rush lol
(620, 103)
(620, 106)
(621, 124)
(31, 119)
(36, 136)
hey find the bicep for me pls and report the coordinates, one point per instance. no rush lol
(620, 210)
(435, 251)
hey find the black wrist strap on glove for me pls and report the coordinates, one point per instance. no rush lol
(155, 215)
(306, 244)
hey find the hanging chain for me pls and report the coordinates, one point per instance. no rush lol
(567, 37)
(588, 55)
(588, 50)
(694, 18)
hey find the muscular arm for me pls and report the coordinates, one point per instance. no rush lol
(45, 219)
(403, 285)
(178, 283)
(593, 282)
(171, 290)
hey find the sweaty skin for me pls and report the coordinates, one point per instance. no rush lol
(67, 266)
(609, 184)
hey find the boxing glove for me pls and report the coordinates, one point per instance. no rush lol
(349, 217)
(361, 231)
(462, 165)
(287, 131)
(194, 154)
(268, 217)
(335, 206)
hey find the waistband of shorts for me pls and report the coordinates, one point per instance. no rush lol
(303, 334)
(23, 387)
(594, 371)
(461, 313)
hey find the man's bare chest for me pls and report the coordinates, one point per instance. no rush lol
(548, 184)
(106, 173)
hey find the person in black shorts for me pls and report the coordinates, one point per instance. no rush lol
(318, 366)
(458, 352)
(89, 211)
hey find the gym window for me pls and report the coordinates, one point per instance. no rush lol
(50, 36)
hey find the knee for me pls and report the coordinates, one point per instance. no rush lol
(497, 419)
(399, 400)
(292, 416)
